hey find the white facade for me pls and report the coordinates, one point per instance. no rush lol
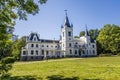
(67, 46)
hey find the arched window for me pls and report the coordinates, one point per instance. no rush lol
(83, 52)
(69, 33)
(36, 52)
(34, 39)
(93, 51)
(24, 52)
(32, 52)
(70, 45)
(63, 34)
(32, 45)
(42, 52)
(75, 51)
(36, 45)
(70, 51)
(47, 52)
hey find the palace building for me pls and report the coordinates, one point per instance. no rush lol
(66, 46)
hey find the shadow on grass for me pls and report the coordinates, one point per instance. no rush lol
(60, 77)
(21, 78)
(53, 77)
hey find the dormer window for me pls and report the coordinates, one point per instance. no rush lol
(34, 39)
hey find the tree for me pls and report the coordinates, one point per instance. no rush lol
(109, 39)
(10, 10)
(82, 33)
(17, 45)
(92, 32)
(76, 37)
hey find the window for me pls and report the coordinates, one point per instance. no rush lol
(79, 45)
(36, 45)
(51, 46)
(42, 52)
(24, 52)
(32, 52)
(34, 39)
(36, 52)
(31, 57)
(70, 51)
(93, 46)
(79, 52)
(32, 45)
(55, 46)
(75, 51)
(47, 46)
(69, 33)
(69, 44)
(93, 51)
(47, 52)
(63, 45)
(63, 34)
(42, 45)
(83, 52)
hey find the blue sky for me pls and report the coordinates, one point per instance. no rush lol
(94, 13)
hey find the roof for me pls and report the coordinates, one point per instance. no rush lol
(67, 22)
(49, 41)
(31, 36)
(86, 32)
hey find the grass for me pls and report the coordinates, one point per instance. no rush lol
(98, 68)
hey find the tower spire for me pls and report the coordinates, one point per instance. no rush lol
(66, 23)
(65, 12)
(86, 32)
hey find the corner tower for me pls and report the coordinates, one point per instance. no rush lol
(67, 37)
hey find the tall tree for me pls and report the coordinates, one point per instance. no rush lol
(10, 10)
(109, 38)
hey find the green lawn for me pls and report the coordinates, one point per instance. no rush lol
(98, 68)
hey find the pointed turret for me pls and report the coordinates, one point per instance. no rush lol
(66, 23)
(86, 32)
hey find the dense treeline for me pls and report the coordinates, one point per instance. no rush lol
(108, 39)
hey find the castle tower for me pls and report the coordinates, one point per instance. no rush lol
(67, 37)
(87, 36)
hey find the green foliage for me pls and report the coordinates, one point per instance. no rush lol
(109, 39)
(92, 32)
(17, 45)
(10, 10)
(76, 37)
(5, 65)
(82, 33)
